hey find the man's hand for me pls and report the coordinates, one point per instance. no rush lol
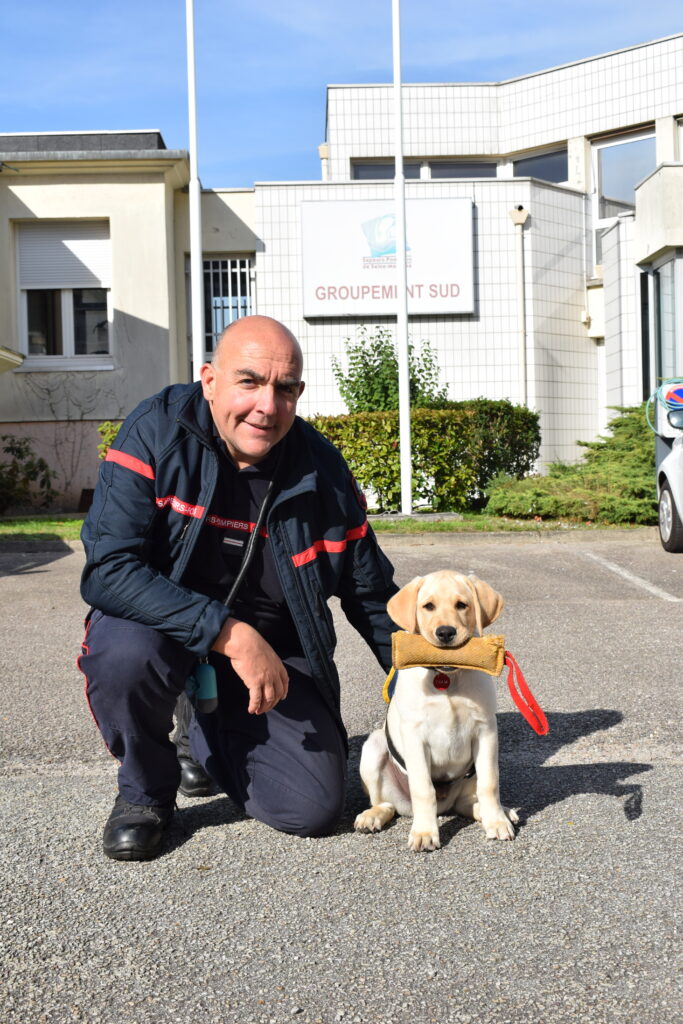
(255, 662)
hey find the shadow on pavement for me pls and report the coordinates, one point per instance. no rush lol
(22, 556)
(528, 785)
(194, 817)
(535, 787)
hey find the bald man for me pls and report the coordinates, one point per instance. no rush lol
(179, 495)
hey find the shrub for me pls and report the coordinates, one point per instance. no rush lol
(614, 482)
(370, 382)
(107, 431)
(455, 451)
(23, 470)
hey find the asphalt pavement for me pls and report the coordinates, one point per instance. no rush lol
(574, 921)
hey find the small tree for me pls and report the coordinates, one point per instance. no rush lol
(23, 469)
(370, 382)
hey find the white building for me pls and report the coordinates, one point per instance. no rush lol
(94, 237)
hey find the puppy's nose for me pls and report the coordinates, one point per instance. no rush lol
(445, 634)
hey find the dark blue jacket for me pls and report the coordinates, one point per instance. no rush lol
(152, 499)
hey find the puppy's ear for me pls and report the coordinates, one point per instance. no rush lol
(490, 603)
(402, 607)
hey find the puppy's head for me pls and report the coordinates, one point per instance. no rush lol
(445, 608)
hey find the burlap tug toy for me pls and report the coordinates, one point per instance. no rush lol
(485, 653)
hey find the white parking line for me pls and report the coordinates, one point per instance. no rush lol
(637, 581)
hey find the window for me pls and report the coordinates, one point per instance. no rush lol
(619, 163)
(546, 166)
(63, 274)
(665, 313)
(227, 294)
(644, 282)
(462, 169)
(383, 170)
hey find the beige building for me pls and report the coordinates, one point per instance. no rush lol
(577, 309)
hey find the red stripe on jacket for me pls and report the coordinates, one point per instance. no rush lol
(333, 546)
(130, 462)
(234, 524)
(182, 507)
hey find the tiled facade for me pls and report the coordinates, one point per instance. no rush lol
(599, 94)
(573, 375)
(478, 353)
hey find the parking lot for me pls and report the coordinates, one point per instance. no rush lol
(574, 921)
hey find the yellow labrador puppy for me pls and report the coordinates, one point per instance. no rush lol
(438, 750)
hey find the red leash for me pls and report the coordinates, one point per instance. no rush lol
(524, 698)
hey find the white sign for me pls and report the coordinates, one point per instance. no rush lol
(349, 257)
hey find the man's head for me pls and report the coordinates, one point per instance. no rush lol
(253, 385)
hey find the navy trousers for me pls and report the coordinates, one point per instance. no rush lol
(286, 768)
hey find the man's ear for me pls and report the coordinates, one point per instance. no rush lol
(207, 375)
(402, 607)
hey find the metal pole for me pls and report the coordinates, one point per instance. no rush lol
(519, 216)
(401, 280)
(195, 190)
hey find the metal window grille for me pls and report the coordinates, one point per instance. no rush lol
(227, 295)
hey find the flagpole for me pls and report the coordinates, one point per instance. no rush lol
(195, 192)
(401, 271)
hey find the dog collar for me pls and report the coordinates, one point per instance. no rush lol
(441, 681)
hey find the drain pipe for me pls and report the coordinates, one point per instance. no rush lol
(518, 216)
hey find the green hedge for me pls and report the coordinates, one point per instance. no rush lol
(455, 451)
(613, 483)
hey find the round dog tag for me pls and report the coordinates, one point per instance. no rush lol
(441, 681)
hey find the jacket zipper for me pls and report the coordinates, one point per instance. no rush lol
(304, 604)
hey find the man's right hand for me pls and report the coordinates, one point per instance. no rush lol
(255, 662)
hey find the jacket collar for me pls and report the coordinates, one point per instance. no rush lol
(298, 471)
(195, 415)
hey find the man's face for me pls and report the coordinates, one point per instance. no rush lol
(253, 388)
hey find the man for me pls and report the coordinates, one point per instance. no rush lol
(178, 495)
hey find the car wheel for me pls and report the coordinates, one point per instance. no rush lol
(670, 526)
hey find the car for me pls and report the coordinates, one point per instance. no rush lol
(670, 480)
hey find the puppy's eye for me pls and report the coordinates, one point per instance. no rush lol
(429, 607)
(461, 606)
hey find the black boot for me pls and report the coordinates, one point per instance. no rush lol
(135, 831)
(194, 781)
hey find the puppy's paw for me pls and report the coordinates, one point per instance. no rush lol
(420, 841)
(501, 826)
(374, 819)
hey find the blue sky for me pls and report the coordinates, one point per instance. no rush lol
(262, 65)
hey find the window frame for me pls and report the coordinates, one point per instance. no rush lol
(68, 360)
(389, 162)
(675, 258)
(597, 144)
(250, 269)
(539, 154)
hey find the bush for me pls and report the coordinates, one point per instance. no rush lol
(23, 470)
(370, 382)
(455, 451)
(107, 431)
(613, 483)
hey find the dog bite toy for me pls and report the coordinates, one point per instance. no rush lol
(484, 653)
